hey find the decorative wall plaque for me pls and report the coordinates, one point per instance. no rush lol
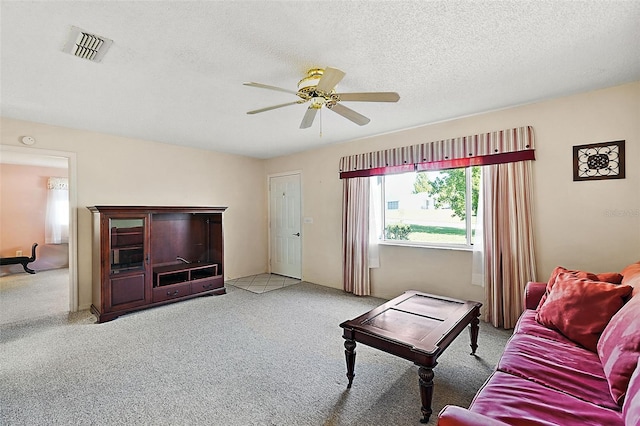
(598, 161)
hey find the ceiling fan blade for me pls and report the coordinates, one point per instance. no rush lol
(255, 111)
(266, 86)
(308, 118)
(370, 97)
(350, 114)
(330, 77)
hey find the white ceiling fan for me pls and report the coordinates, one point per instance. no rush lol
(318, 88)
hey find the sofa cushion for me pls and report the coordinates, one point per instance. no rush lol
(631, 407)
(554, 274)
(564, 367)
(458, 416)
(517, 401)
(631, 276)
(608, 277)
(619, 348)
(581, 308)
(527, 324)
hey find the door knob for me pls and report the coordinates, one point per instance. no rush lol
(297, 234)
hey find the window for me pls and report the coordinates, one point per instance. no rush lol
(431, 208)
(57, 214)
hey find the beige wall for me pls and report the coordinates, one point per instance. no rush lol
(125, 171)
(590, 225)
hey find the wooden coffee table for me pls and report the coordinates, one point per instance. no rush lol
(414, 326)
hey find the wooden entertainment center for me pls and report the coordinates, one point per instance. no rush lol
(148, 256)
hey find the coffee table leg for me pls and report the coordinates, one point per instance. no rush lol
(426, 391)
(350, 355)
(473, 332)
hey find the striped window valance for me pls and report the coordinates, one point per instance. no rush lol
(502, 146)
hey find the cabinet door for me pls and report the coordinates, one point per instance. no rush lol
(127, 251)
(127, 244)
(127, 291)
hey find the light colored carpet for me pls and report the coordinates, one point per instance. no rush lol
(238, 359)
(29, 296)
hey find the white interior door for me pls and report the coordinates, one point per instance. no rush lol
(285, 246)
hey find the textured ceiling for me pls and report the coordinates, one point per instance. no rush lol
(174, 73)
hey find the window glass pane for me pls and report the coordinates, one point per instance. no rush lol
(430, 207)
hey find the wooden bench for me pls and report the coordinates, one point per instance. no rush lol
(21, 260)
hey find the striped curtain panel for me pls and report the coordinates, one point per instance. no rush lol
(355, 239)
(509, 258)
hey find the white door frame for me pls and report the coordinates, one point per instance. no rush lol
(73, 202)
(275, 175)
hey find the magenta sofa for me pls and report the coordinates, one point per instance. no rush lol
(545, 377)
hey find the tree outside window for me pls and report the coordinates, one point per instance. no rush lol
(432, 208)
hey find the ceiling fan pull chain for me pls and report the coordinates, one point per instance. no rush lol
(320, 122)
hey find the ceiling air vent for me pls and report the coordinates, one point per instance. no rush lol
(86, 45)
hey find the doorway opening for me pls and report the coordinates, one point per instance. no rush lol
(52, 290)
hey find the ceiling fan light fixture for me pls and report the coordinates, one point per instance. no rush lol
(317, 102)
(309, 83)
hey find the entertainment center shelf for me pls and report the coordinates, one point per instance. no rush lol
(147, 256)
(172, 274)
